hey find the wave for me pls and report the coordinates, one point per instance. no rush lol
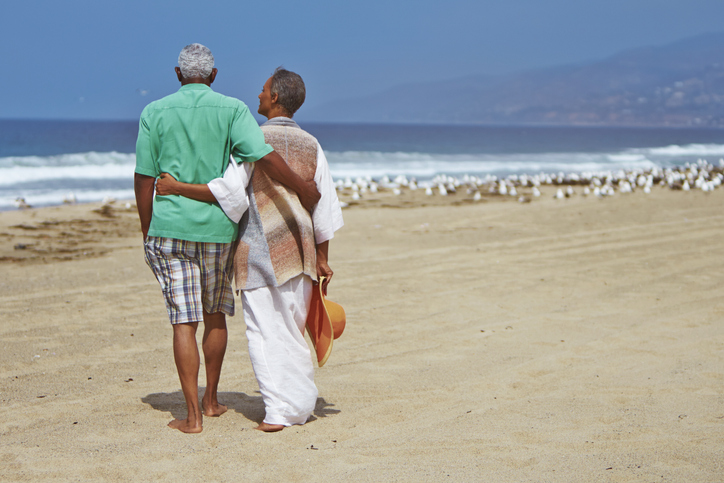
(91, 176)
(22, 169)
(422, 165)
(56, 197)
(75, 159)
(687, 150)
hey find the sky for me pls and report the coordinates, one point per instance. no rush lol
(94, 59)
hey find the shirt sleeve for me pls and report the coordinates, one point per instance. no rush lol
(230, 191)
(145, 163)
(327, 216)
(247, 139)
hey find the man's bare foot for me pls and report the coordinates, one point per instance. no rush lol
(184, 426)
(213, 411)
(270, 428)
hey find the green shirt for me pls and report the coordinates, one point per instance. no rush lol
(191, 134)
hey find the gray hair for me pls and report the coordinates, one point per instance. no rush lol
(195, 60)
(289, 86)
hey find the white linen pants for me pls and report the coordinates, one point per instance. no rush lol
(275, 318)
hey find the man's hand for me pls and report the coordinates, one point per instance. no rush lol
(310, 196)
(166, 185)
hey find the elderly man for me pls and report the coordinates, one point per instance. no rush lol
(281, 250)
(188, 244)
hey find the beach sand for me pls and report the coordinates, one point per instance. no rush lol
(575, 340)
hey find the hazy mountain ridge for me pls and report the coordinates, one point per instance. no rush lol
(680, 84)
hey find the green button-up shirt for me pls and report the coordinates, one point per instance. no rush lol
(190, 135)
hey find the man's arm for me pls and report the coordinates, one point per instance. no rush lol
(143, 186)
(277, 169)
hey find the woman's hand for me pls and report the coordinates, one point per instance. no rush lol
(166, 185)
(323, 270)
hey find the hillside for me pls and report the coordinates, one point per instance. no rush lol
(679, 84)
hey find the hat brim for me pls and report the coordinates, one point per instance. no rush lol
(319, 326)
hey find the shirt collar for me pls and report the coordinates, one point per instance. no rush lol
(194, 87)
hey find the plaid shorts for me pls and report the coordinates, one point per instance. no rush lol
(194, 276)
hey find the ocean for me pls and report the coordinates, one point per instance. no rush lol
(45, 162)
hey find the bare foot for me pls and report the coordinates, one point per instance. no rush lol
(213, 410)
(184, 426)
(270, 428)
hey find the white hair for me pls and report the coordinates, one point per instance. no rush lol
(195, 60)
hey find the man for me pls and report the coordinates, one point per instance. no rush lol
(281, 250)
(188, 244)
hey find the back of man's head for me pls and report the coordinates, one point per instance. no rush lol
(195, 61)
(289, 86)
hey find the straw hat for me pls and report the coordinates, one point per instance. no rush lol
(325, 322)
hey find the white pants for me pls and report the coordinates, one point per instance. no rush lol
(275, 318)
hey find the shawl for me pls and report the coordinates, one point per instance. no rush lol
(277, 236)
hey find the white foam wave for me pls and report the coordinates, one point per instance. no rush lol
(423, 165)
(17, 174)
(686, 150)
(56, 197)
(107, 171)
(75, 159)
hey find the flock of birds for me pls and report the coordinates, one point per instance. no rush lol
(700, 175)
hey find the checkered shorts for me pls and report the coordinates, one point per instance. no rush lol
(194, 277)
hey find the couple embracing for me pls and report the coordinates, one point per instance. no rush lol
(205, 224)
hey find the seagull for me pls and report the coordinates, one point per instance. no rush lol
(559, 194)
(502, 189)
(477, 196)
(536, 192)
(355, 195)
(442, 190)
(21, 204)
(428, 191)
(70, 199)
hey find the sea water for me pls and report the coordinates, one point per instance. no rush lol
(45, 162)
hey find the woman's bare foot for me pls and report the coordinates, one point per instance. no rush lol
(270, 428)
(184, 426)
(213, 410)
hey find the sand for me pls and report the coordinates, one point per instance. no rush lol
(565, 340)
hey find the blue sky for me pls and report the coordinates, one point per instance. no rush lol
(93, 59)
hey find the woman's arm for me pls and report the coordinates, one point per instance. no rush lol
(168, 185)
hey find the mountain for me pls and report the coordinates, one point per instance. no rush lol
(679, 84)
